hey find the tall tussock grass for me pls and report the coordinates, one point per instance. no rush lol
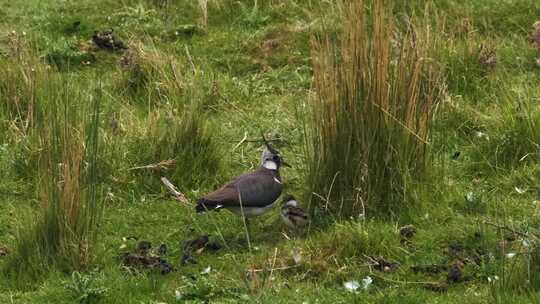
(151, 74)
(175, 140)
(62, 232)
(377, 90)
(21, 72)
(178, 137)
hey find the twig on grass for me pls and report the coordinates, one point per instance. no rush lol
(272, 269)
(403, 282)
(241, 141)
(190, 59)
(162, 165)
(273, 264)
(246, 140)
(179, 196)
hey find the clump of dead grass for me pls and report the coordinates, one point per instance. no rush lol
(22, 70)
(377, 90)
(63, 230)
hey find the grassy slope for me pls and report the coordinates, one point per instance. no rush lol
(262, 87)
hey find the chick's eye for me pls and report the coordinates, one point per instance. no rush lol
(276, 157)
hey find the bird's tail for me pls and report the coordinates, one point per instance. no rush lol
(204, 205)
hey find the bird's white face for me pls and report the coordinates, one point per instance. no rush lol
(270, 165)
(268, 159)
(266, 155)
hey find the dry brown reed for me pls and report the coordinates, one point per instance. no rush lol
(377, 91)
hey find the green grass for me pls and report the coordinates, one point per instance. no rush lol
(253, 71)
(66, 131)
(371, 122)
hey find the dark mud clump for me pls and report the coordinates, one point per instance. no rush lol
(107, 40)
(407, 232)
(144, 258)
(385, 265)
(197, 245)
(429, 269)
(455, 272)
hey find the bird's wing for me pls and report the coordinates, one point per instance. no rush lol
(257, 189)
(226, 195)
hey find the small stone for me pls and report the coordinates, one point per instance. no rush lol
(178, 295)
(520, 190)
(207, 270)
(351, 286)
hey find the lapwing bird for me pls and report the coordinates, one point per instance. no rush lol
(292, 214)
(250, 194)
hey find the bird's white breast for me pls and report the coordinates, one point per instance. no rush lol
(252, 211)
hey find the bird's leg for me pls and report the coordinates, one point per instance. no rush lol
(245, 219)
(248, 232)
